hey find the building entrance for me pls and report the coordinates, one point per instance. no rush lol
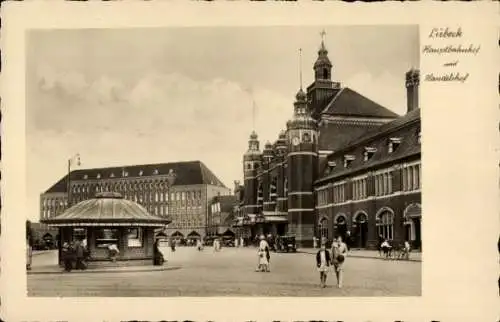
(341, 227)
(361, 230)
(413, 218)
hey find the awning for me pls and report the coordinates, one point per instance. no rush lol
(193, 234)
(276, 219)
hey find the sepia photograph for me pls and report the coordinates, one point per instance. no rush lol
(224, 161)
(244, 161)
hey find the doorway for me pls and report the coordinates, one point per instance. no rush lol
(341, 227)
(361, 222)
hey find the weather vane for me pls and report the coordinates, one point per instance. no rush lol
(323, 34)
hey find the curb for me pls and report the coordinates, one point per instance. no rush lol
(41, 252)
(94, 271)
(371, 257)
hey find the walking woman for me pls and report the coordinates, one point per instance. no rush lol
(323, 262)
(339, 253)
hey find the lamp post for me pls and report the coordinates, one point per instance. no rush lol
(76, 159)
(170, 182)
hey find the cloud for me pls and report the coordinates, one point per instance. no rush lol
(157, 118)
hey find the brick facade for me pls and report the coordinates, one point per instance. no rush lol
(185, 202)
(344, 164)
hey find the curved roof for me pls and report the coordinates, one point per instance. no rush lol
(108, 208)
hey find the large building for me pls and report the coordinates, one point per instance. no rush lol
(343, 164)
(181, 190)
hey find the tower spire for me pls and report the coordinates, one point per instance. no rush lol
(323, 34)
(300, 67)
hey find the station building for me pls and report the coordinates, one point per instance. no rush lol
(344, 163)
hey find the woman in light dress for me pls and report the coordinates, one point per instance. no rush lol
(263, 255)
(339, 254)
(323, 262)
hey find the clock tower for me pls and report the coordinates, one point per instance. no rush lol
(252, 160)
(302, 160)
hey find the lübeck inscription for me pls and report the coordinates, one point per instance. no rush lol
(437, 36)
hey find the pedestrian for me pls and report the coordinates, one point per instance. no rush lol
(79, 255)
(348, 240)
(172, 245)
(386, 248)
(199, 245)
(315, 242)
(113, 252)
(263, 255)
(158, 258)
(381, 239)
(323, 260)
(29, 244)
(216, 245)
(339, 253)
(66, 257)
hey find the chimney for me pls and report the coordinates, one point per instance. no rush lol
(412, 82)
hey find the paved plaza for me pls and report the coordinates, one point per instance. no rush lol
(231, 273)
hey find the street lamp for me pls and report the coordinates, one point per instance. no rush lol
(74, 159)
(170, 182)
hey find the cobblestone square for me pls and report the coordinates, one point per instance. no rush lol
(231, 273)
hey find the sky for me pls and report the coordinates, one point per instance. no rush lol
(153, 95)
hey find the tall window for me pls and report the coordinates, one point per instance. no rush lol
(339, 192)
(323, 228)
(322, 197)
(359, 189)
(412, 177)
(383, 183)
(385, 225)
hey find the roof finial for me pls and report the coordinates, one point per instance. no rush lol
(323, 34)
(300, 67)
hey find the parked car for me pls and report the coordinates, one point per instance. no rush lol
(286, 244)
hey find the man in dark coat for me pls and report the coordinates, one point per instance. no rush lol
(80, 255)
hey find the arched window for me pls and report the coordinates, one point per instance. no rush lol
(323, 228)
(385, 224)
(325, 73)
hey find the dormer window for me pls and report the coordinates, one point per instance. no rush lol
(98, 176)
(155, 171)
(348, 160)
(369, 153)
(394, 144)
(125, 173)
(332, 164)
(418, 136)
(112, 175)
(85, 177)
(141, 172)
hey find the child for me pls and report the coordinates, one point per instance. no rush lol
(323, 263)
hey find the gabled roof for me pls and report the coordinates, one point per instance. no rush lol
(348, 102)
(336, 135)
(409, 147)
(187, 173)
(383, 130)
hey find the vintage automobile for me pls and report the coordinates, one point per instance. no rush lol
(286, 244)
